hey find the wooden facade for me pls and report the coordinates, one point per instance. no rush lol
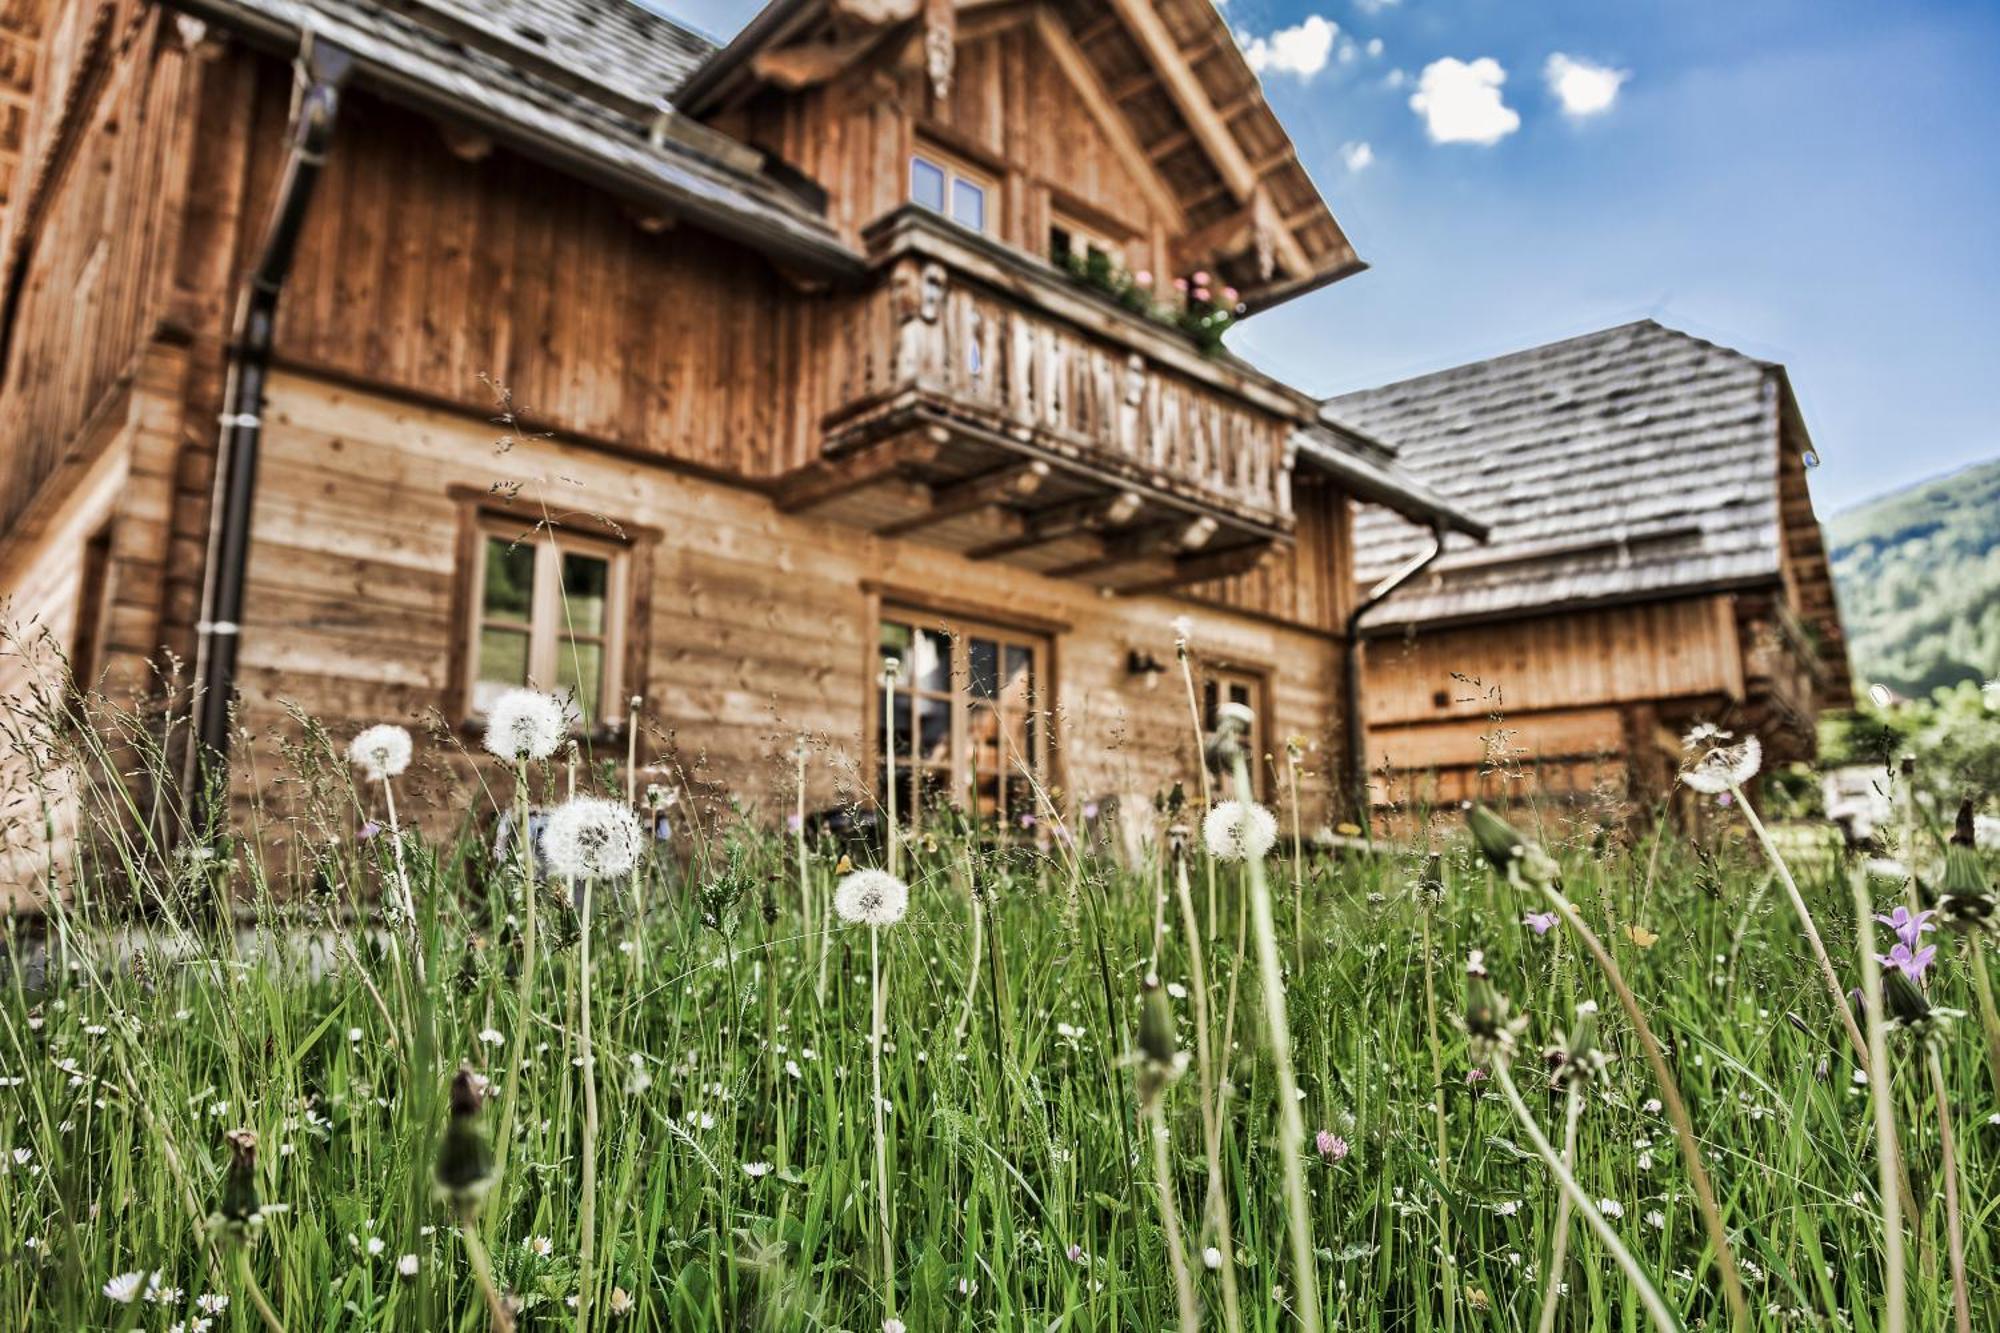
(750, 462)
(1675, 575)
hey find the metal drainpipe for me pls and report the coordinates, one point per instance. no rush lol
(323, 68)
(1357, 739)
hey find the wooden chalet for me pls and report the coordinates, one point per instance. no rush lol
(1653, 562)
(797, 381)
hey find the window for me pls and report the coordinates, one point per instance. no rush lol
(93, 609)
(944, 186)
(1228, 685)
(1071, 241)
(548, 611)
(966, 716)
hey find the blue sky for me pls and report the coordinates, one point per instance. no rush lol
(1813, 181)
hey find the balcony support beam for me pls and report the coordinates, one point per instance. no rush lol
(824, 483)
(1014, 481)
(1072, 518)
(1153, 542)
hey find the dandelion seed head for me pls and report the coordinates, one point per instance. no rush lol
(1715, 764)
(525, 724)
(381, 751)
(1239, 831)
(591, 838)
(871, 898)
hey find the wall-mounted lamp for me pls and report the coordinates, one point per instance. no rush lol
(1147, 665)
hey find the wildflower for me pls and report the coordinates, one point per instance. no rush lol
(1611, 1207)
(539, 1246)
(1656, 1219)
(591, 838)
(124, 1288)
(525, 724)
(1716, 766)
(1576, 1061)
(464, 1169)
(1966, 901)
(967, 1287)
(1239, 831)
(893, 1325)
(1540, 922)
(211, 1303)
(1911, 964)
(1910, 927)
(1211, 1258)
(381, 751)
(1077, 1254)
(1160, 1060)
(871, 898)
(1331, 1146)
(492, 1037)
(407, 1265)
(1183, 631)
(756, 1170)
(1488, 1019)
(621, 1303)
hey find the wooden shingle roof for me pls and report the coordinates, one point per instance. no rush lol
(1631, 463)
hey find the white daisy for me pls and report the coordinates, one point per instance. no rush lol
(1239, 831)
(407, 1265)
(125, 1287)
(871, 898)
(381, 751)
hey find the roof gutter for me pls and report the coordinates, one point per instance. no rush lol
(1355, 734)
(322, 70)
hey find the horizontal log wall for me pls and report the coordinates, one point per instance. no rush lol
(760, 623)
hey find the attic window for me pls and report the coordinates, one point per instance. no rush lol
(946, 187)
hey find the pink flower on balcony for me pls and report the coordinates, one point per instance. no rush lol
(1201, 279)
(1229, 295)
(1201, 293)
(1180, 284)
(1144, 277)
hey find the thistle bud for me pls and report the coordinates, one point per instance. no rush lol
(239, 1209)
(1522, 861)
(1577, 1061)
(1160, 1062)
(464, 1170)
(1488, 1020)
(1966, 901)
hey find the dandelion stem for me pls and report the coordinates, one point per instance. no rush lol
(889, 759)
(1806, 923)
(1559, 1250)
(587, 1220)
(1298, 866)
(1888, 1156)
(524, 988)
(1440, 1125)
(875, 1033)
(1677, 1113)
(1200, 770)
(1954, 1224)
(1989, 1015)
(248, 1277)
(1217, 1206)
(1656, 1309)
(1170, 1224)
(1291, 1124)
(482, 1269)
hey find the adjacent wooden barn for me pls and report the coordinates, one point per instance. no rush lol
(1653, 562)
(366, 359)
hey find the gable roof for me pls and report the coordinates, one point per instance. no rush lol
(1631, 463)
(579, 84)
(1174, 74)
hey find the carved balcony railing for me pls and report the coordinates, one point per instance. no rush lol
(986, 398)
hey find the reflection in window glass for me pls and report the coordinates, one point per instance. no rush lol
(510, 580)
(968, 205)
(927, 184)
(984, 674)
(586, 584)
(931, 669)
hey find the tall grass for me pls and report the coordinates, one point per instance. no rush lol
(165, 1000)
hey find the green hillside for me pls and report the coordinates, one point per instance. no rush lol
(1917, 572)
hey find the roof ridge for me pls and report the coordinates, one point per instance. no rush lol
(1539, 350)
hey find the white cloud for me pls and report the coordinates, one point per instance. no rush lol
(1395, 78)
(1375, 6)
(1374, 46)
(1357, 156)
(1301, 50)
(1584, 89)
(1349, 52)
(1461, 102)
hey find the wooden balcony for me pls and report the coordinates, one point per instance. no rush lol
(978, 399)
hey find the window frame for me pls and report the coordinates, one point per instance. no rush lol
(1221, 674)
(1037, 715)
(1092, 238)
(956, 171)
(627, 549)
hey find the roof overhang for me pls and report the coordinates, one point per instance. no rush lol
(1367, 471)
(668, 172)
